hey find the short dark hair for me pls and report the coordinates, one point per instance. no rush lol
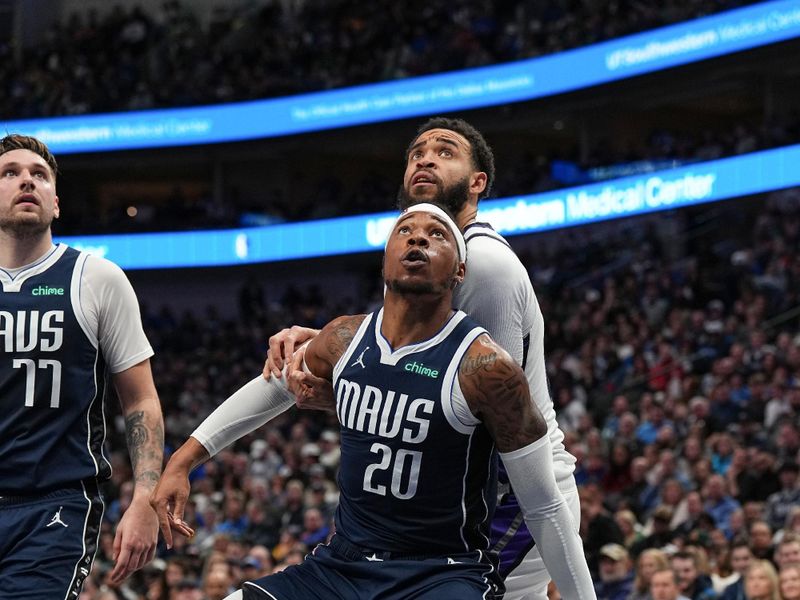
(15, 141)
(482, 155)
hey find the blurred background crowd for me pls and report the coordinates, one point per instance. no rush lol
(672, 342)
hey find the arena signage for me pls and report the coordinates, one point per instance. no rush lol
(669, 189)
(647, 52)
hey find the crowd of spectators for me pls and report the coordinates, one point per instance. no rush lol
(674, 364)
(128, 58)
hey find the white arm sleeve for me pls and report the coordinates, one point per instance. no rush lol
(246, 410)
(547, 515)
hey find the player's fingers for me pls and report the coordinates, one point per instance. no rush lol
(134, 560)
(288, 347)
(117, 545)
(296, 363)
(276, 352)
(183, 529)
(162, 512)
(119, 572)
(177, 515)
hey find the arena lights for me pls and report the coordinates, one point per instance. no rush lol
(646, 52)
(674, 188)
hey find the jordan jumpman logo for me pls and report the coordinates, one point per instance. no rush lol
(57, 518)
(360, 359)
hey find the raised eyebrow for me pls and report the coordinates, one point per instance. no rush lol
(31, 166)
(442, 139)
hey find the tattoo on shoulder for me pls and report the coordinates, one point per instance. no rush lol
(473, 364)
(497, 392)
(342, 333)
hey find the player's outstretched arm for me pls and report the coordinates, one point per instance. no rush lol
(497, 392)
(250, 407)
(137, 532)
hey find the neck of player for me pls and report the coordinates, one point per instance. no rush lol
(410, 319)
(17, 251)
(467, 215)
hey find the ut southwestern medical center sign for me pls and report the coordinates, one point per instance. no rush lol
(701, 182)
(541, 212)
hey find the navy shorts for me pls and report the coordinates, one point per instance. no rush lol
(341, 571)
(48, 542)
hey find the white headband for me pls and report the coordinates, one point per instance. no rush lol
(433, 209)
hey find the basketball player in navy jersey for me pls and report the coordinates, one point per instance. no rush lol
(424, 397)
(66, 318)
(450, 163)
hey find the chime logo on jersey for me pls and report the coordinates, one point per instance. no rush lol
(421, 369)
(43, 290)
(387, 414)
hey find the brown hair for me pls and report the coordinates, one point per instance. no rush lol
(15, 141)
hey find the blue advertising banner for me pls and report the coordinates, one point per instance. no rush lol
(674, 188)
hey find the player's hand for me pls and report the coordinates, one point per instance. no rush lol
(168, 501)
(281, 348)
(135, 540)
(309, 391)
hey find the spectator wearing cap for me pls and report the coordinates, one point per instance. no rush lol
(664, 586)
(741, 557)
(718, 503)
(616, 575)
(781, 503)
(691, 582)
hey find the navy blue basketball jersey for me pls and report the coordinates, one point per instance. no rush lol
(52, 381)
(418, 471)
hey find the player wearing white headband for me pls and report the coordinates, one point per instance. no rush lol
(449, 162)
(445, 218)
(424, 400)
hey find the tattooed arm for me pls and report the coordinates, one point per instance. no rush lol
(323, 352)
(137, 532)
(497, 393)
